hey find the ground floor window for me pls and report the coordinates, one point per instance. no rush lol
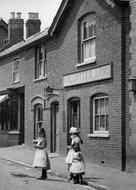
(100, 114)
(4, 115)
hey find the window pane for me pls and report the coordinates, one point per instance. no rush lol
(88, 49)
(16, 65)
(97, 106)
(102, 123)
(40, 68)
(102, 106)
(40, 55)
(15, 77)
(107, 106)
(88, 29)
(107, 122)
(96, 123)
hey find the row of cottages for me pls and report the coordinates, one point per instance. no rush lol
(79, 72)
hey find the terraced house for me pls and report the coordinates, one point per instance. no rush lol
(78, 72)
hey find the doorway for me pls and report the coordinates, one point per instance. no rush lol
(38, 119)
(73, 115)
(55, 127)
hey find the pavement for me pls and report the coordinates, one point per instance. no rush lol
(97, 176)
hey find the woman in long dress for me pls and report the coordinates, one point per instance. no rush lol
(41, 159)
(75, 144)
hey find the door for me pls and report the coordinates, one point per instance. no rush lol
(55, 127)
(38, 119)
(73, 115)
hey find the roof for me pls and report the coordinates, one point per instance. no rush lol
(4, 24)
(48, 32)
(26, 43)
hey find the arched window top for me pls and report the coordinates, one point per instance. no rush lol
(99, 95)
(74, 99)
(37, 100)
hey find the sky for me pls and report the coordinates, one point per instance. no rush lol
(47, 9)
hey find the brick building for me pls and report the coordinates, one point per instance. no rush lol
(80, 71)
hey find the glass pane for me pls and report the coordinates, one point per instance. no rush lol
(88, 29)
(107, 106)
(15, 77)
(96, 123)
(107, 122)
(96, 106)
(40, 55)
(16, 65)
(85, 30)
(88, 49)
(40, 68)
(102, 123)
(91, 30)
(102, 106)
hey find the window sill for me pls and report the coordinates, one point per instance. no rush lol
(13, 132)
(102, 135)
(41, 78)
(16, 82)
(89, 61)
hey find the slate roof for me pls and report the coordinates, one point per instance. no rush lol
(48, 32)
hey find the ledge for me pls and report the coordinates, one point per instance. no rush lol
(13, 132)
(86, 62)
(39, 79)
(99, 135)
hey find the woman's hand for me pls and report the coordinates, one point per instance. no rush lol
(68, 147)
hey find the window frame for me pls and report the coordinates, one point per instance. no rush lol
(100, 132)
(42, 62)
(16, 72)
(92, 59)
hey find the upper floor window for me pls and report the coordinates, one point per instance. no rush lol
(88, 40)
(41, 62)
(100, 114)
(16, 70)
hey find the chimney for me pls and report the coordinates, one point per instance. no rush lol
(33, 24)
(15, 28)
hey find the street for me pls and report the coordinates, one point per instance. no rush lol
(17, 177)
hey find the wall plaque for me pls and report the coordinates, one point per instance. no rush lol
(95, 74)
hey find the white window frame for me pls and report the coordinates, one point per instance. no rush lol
(90, 59)
(16, 72)
(41, 64)
(100, 132)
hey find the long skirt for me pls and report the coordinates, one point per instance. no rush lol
(41, 159)
(77, 167)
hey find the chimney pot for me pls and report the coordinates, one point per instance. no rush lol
(33, 16)
(18, 15)
(12, 15)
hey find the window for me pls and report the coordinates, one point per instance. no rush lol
(41, 62)
(101, 114)
(4, 115)
(88, 40)
(16, 70)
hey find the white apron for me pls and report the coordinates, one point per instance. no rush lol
(77, 166)
(70, 153)
(41, 159)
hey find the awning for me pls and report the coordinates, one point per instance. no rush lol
(3, 98)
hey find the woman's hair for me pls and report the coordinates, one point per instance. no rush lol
(42, 131)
